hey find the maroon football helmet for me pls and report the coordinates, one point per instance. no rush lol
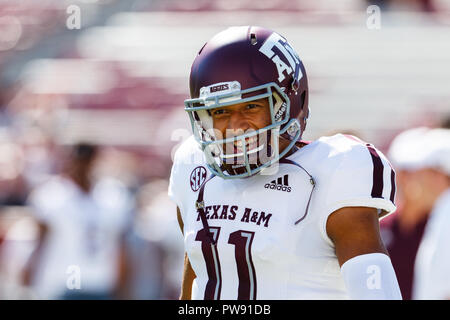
(239, 65)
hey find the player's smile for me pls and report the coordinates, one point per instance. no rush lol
(237, 119)
(236, 148)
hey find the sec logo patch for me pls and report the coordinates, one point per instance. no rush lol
(198, 176)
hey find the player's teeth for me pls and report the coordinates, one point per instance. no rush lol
(249, 141)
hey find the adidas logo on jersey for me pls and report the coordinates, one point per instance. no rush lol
(279, 184)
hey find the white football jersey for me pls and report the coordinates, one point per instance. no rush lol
(270, 230)
(84, 235)
(433, 256)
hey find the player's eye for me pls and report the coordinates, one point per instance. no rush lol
(219, 112)
(253, 107)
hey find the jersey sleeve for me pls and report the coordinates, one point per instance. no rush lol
(187, 157)
(174, 191)
(363, 177)
(41, 205)
(439, 266)
(433, 257)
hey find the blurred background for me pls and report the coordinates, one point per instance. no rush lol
(91, 98)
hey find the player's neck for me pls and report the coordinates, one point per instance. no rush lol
(82, 181)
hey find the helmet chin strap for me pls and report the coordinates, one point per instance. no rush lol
(293, 149)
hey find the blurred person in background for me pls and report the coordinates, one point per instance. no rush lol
(433, 257)
(446, 122)
(145, 255)
(82, 225)
(402, 231)
(155, 245)
(146, 271)
(162, 228)
(13, 186)
(15, 234)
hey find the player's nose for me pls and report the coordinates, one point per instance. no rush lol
(237, 122)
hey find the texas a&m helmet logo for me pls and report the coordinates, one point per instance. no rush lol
(198, 176)
(286, 51)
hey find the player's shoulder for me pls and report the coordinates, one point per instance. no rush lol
(53, 191)
(347, 150)
(111, 193)
(342, 160)
(188, 153)
(342, 144)
(351, 172)
(189, 168)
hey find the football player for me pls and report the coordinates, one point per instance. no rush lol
(433, 257)
(264, 214)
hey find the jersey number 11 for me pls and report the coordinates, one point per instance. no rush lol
(242, 241)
